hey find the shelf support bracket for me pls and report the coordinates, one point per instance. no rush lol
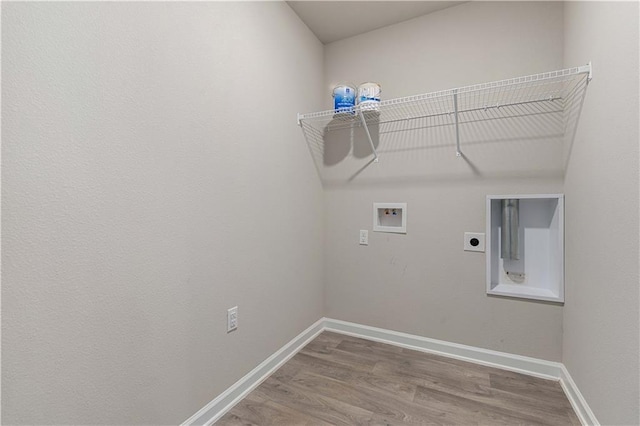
(455, 108)
(588, 69)
(366, 129)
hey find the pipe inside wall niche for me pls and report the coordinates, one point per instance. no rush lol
(509, 231)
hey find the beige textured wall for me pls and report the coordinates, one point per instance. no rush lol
(601, 322)
(150, 183)
(423, 282)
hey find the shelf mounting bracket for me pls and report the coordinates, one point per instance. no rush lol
(455, 112)
(366, 129)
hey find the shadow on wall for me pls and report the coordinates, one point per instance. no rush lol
(572, 116)
(343, 136)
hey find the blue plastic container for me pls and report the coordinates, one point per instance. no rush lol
(344, 98)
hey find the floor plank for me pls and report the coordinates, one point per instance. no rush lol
(315, 405)
(343, 380)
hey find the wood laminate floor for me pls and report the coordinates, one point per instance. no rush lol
(342, 380)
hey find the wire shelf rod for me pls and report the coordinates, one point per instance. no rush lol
(551, 77)
(346, 124)
(366, 129)
(557, 96)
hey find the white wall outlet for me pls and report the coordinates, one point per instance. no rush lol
(474, 241)
(364, 237)
(232, 319)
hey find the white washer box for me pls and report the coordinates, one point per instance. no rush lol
(390, 217)
(538, 273)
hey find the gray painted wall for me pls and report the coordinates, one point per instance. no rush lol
(423, 282)
(600, 345)
(150, 183)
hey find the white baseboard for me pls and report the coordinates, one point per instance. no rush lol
(517, 363)
(224, 402)
(579, 404)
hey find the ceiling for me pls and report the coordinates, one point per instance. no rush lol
(334, 20)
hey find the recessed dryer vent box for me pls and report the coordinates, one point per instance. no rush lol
(390, 217)
(525, 246)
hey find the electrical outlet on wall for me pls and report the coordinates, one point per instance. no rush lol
(474, 241)
(364, 237)
(232, 319)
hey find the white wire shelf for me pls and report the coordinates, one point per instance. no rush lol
(545, 93)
